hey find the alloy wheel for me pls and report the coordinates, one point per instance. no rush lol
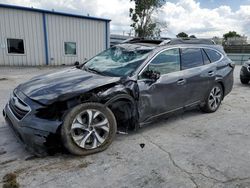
(214, 99)
(90, 129)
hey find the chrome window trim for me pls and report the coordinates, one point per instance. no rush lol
(182, 47)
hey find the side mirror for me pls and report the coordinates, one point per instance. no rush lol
(152, 75)
(77, 64)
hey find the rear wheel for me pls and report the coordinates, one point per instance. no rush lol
(244, 80)
(88, 128)
(214, 99)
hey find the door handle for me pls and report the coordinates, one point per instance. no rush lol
(181, 81)
(211, 73)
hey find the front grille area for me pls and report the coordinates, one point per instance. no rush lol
(18, 107)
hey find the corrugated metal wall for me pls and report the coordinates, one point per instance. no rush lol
(90, 37)
(22, 25)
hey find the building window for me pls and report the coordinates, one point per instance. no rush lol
(70, 48)
(15, 46)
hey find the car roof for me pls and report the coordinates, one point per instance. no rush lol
(165, 43)
(215, 47)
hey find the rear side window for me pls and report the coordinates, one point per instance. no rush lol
(205, 58)
(213, 55)
(191, 57)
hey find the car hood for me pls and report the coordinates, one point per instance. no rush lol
(67, 83)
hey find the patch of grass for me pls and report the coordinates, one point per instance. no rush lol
(10, 181)
(85, 164)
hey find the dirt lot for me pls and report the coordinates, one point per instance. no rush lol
(189, 150)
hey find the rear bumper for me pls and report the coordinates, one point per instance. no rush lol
(228, 82)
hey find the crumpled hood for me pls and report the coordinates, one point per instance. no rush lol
(63, 84)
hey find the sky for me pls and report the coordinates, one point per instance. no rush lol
(202, 18)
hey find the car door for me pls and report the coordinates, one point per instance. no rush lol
(198, 73)
(165, 94)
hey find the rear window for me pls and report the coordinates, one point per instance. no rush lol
(213, 55)
(191, 57)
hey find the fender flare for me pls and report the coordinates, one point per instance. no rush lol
(133, 102)
(219, 80)
(120, 96)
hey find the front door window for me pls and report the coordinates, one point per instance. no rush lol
(166, 62)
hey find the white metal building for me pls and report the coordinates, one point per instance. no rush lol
(33, 37)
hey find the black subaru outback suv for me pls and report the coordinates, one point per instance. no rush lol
(245, 72)
(126, 86)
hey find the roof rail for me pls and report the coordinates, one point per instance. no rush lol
(190, 41)
(170, 41)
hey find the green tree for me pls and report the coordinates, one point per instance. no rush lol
(182, 35)
(142, 17)
(192, 36)
(231, 34)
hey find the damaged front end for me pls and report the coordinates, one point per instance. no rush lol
(39, 128)
(39, 135)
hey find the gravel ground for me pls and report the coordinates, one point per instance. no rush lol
(192, 149)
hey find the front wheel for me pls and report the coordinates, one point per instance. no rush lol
(88, 128)
(214, 99)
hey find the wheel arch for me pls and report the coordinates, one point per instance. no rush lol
(127, 105)
(223, 87)
(120, 97)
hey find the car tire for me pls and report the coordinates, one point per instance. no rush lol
(244, 80)
(214, 98)
(88, 128)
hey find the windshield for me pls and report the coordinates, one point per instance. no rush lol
(117, 61)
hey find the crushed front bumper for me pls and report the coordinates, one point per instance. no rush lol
(38, 135)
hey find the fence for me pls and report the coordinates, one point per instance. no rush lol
(238, 59)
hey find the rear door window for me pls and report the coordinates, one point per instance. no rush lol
(213, 55)
(190, 58)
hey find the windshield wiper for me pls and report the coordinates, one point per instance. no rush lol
(93, 70)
